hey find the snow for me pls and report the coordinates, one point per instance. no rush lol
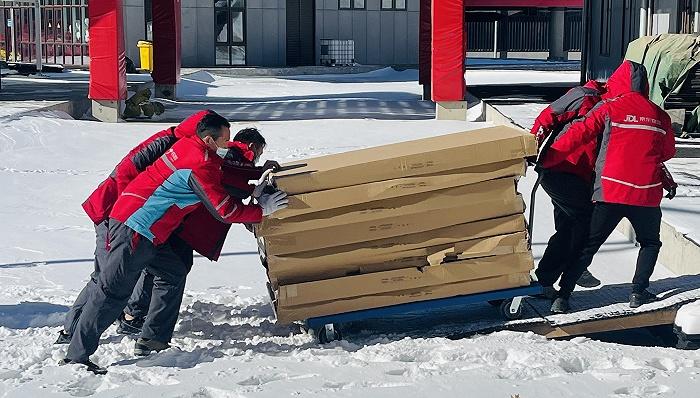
(688, 318)
(380, 84)
(226, 342)
(509, 77)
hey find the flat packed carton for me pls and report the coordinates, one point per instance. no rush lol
(356, 253)
(356, 194)
(403, 279)
(481, 194)
(334, 235)
(493, 246)
(303, 271)
(408, 159)
(300, 312)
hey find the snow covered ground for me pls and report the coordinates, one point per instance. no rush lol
(227, 344)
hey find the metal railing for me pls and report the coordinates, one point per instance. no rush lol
(61, 26)
(520, 32)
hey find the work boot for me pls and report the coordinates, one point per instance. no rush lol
(145, 347)
(638, 299)
(91, 366)
(129, 327)
(548, 292)
(560, 305)
(588, 280)
(63, 338)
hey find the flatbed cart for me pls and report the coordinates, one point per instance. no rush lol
(509, 301)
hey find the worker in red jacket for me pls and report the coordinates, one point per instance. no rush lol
(149, 210)
(204, 233)
(634, 137)
(99, 204)
(568, 183)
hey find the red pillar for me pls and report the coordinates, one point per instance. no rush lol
(448, 50)
(107, 67)
(166, 45)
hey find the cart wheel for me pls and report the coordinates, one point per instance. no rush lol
(328, 333)
(506, 310)
(496, 303)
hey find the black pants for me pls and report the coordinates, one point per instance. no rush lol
(571, 197)
(129, 254)
(646, 222)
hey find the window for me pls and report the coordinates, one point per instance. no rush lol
(229, 23)
(396, 5)
(351, 4)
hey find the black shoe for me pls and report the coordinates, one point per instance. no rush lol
(638, 299)
(63, 338)
(132, 327)
(91, 366)
(588, 280)
(548, 292)
(560, 306)
(145, 347)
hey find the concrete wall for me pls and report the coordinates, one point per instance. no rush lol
(198, 33)
(381, 37)
(266, 37)
(134, 28)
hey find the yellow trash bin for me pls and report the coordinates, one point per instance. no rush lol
(146, 54)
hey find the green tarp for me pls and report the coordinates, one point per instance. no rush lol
(668, 58)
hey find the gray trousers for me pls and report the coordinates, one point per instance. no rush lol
(101, 253)
(142, 301)
(131, 253)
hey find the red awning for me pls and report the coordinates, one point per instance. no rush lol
(524, 3)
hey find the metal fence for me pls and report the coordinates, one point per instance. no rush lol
(64, 32)
(521, 32)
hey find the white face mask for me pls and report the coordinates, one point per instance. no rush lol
(222, 152)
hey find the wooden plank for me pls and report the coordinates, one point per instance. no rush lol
(661, 317)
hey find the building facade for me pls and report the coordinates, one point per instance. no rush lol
(285, 32)
(276, 33)
(613, 24)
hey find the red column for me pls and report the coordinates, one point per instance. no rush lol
(448, 50)
(166, 41)
(107, 67)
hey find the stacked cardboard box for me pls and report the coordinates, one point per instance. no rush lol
(418, 220)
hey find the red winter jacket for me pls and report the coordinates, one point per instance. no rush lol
(635, 137)
(99, 204)
(156, 202)
(554, 121)
(200, 229)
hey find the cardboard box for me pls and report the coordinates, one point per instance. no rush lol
(357, 252)
(481, 194)
(402, 279)
(286, 272)
(301, 312)
(407, 159)
(397, 225)
(493, 246)
(340, 197)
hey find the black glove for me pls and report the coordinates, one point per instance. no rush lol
(671, 192)
(271, 164)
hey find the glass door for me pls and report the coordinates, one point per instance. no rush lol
(229, 23)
